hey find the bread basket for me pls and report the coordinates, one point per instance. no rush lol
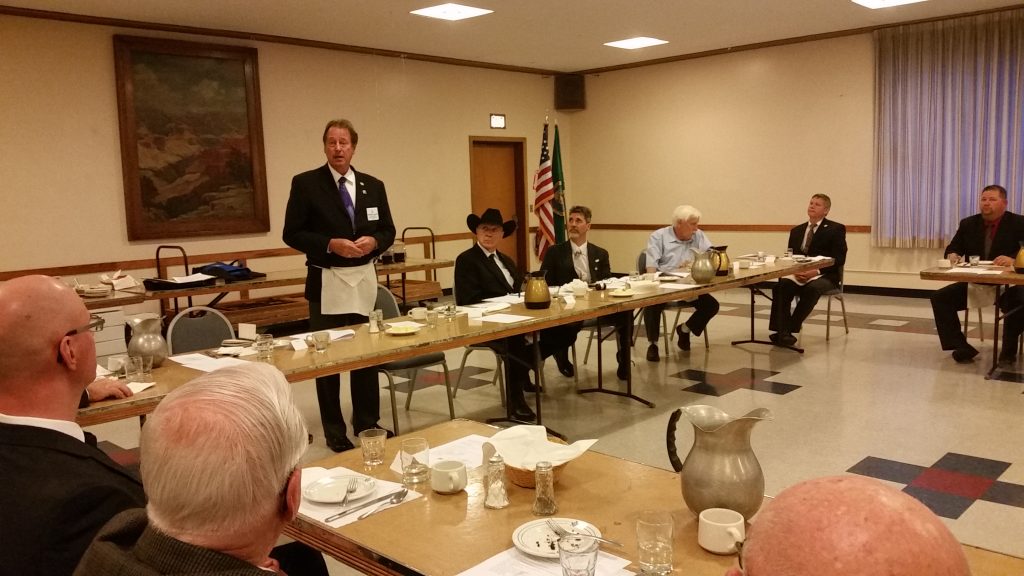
(525, 478)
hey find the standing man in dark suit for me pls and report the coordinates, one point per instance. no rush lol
(994, 234)
(341, 220)
(578, 259)
(483, 272)
(58, 490)
(818, 236)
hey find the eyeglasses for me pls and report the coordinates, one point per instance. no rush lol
(95, 325)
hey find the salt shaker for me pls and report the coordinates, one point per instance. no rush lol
(497, 495)
(544, 479)
(376, 319)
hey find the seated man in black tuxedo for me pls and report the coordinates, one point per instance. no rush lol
(993, 234)
(578, 259)
(819, 236)
(483, 272)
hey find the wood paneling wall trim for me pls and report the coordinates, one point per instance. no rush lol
(150, 263)
(218, 33)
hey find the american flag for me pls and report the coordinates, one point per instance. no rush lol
(543, 196)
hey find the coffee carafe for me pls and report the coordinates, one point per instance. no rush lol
(536, 295)
(723, 264)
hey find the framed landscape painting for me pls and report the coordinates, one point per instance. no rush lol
(191, 139)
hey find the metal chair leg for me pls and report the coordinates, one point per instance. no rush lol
(394, 403)
(448, 390)
(412, 387)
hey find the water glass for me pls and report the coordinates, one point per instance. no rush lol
(264, 345)
(974, 260)
(578, 555)
(415, 460)
(133, 369)
(146, 369)
(321, 340)
(789, 253)
(654, 542)
(372, 443)
(431, 318)
(449, 311)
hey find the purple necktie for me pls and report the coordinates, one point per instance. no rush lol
(347, 201)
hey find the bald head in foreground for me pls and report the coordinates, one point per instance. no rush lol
(220, 461)
(849, 526)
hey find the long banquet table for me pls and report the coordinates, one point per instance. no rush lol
(440, 535)
(366, 349)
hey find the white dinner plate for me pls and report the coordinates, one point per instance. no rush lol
(536, 539)
(621, 293)
(986, 262)
(331, 489)
(403, 330)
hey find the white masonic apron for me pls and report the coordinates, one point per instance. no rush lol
(351, 290)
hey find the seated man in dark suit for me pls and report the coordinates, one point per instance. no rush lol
(579, 259)
(993, 234)
(483, 272)
(818, 236)
(227, 430)
(58, 489)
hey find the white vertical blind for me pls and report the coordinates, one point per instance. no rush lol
(948, 121)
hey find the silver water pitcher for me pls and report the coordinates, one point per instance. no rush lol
(146, 339)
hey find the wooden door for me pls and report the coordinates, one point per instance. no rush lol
(498, 180)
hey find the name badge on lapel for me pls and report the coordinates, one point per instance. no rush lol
(372, 214)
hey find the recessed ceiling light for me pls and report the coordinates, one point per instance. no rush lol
(451, 11)
(876, 4)
(634, 43)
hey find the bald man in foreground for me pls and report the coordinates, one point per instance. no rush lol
(848, 526)
(57, 489)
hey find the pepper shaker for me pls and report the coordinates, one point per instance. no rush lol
(544, 479)
(497, 495)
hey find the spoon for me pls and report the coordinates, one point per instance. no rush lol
(395, 499)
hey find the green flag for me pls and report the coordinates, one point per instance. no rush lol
(558, 206)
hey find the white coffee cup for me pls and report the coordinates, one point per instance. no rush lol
(419, 313)
(579, 288)
(448, 477)
(943, 263)
(719, 529)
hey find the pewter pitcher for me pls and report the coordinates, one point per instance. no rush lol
(703, 268)
(721, 470)
(146, 339)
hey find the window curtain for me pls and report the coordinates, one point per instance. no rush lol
(948, 121)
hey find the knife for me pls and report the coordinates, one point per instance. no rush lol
(344, 513)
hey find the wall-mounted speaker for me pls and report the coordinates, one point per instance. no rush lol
(570, 92)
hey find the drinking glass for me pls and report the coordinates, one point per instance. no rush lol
(449, 311)
(321, 340)
(578, 555)
(415, 460)
(372, 443)
(432, 318)
(654, 542)
(789, 253)
(975, 260)
(264, 345)
(146, 369)
(133, 369)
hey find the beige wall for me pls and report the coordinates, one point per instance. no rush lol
(746, 137)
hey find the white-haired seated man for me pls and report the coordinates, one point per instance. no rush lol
(219, 460)
(848, 526)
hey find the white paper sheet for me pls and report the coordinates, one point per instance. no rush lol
(506, 318)
(137, 387)
(191, 278)
(320, 512)
(512, 562)
(468, 450)
(508, 298)
(335, 334)
(204, 363)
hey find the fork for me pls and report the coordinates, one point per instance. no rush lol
(352, 483)
(562, 532)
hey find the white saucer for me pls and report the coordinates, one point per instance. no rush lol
(331, 489)
(403, 330)
(536, 539)
(621, 293)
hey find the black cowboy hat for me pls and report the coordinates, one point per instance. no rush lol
(491, 216)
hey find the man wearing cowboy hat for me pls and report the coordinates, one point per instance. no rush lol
(483, 272)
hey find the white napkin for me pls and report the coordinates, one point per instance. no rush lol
(137, 387)
(523, 446)
(320, 512)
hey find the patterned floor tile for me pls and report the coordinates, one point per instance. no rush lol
(712, 384)
(892, 323)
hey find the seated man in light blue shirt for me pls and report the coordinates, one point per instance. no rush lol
(668, 250)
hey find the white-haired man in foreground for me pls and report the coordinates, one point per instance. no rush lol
(848, 526)
(219, 460)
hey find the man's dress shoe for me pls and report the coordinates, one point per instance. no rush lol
(520, 411)
(340, 444)
(682, 339)
(652, 353)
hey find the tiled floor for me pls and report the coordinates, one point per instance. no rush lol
(882, 401)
